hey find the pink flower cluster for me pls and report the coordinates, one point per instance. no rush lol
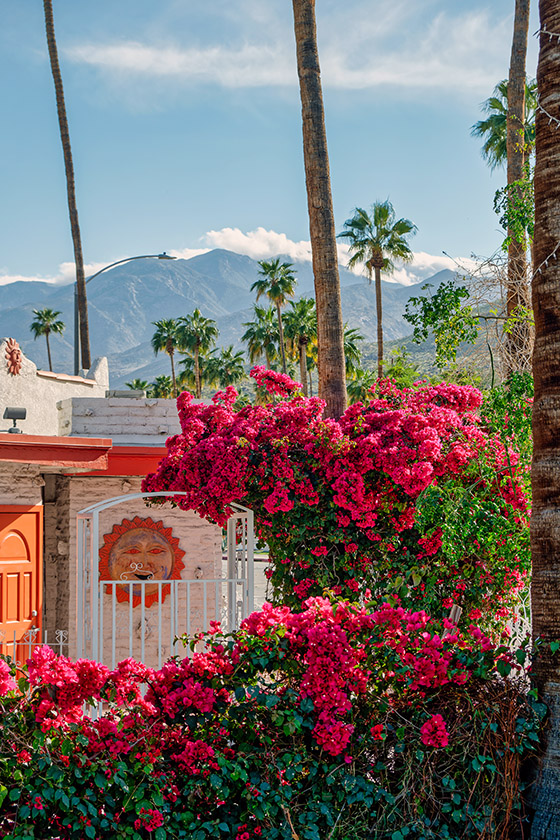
(149, 819)
(7, 682)
(434, 733)
(338, 501)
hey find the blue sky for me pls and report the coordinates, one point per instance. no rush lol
(186, 130)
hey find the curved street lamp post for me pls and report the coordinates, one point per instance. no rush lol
(162, 256)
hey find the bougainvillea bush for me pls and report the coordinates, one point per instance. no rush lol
(330, 723)
(407, 496)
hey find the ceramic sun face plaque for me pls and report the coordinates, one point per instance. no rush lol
(140, 550)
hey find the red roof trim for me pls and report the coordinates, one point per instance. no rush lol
(51, 451)
(132, 460)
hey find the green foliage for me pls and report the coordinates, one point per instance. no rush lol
(230, 743)
(506, 412)
(400, 368)
(225, 367)
(161, 387)
(45, 322)
(515, 205)
(493, 129)
(446, 316)
(377, 239)
(352, 339)
(262, 336)
(360, 385)
(138, 385)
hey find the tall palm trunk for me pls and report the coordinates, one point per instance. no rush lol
(518, 339)
(70, 185)
(332, 377)
(170, 350)
(379, 307)
(310, 385)
(197, 386)
(48, 349)
(303, 364)
(545, 517)
(281, 337)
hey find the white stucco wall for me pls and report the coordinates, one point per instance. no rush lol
(127, 421)
(39, 391)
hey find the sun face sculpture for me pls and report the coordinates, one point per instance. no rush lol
(13, 356)
(140, 550)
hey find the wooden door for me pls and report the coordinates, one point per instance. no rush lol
(21, 583)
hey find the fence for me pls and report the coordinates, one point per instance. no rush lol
(20, 649)
(145, 623)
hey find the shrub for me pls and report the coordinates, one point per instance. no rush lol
(332, 723)
(407, 496)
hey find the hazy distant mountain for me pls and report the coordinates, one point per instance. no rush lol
(124, 301)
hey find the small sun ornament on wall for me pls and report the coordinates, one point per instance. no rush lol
(13, 356)
(140, 550)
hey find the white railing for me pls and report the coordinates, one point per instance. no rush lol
(110, 629)
(20, 648)
(183, 607)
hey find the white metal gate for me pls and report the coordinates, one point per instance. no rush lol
(150, 635)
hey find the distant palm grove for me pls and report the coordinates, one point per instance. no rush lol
(282, 336)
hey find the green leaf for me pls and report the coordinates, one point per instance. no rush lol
(554, 646)
(520, 655)
(3, 793)
(504, 668)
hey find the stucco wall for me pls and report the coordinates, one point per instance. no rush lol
(39, 391)
(128, 421)
(200, 541)
(20, 484)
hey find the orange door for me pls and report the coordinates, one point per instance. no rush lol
(21, 564)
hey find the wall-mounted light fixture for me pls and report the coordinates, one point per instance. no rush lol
(11, 413)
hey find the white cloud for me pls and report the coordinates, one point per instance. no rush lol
(188, 253)
(261, 244)
(426, 265)
(249, 66)
(438, 48)
(66, 274)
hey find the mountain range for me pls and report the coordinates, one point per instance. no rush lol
(124, 301)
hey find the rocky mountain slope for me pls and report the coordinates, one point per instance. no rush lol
(124, 301)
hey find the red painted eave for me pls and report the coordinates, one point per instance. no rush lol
(132, 460)
(55, 454)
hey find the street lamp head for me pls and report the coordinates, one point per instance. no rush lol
(165, 256)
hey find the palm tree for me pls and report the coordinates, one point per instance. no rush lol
(301, 329)
(360, 384)
(166, 337)
(198, 335)
(226, 368)
(262, 336)
(162, 388)
(137, 385)
(376, 241)
(45, 323)
(332, 380)
(70, 185)
(352, 352)
(545, 473)
(277, 282)
(517, 339)
(493, 129)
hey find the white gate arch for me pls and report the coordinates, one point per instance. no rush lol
(228, 599)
